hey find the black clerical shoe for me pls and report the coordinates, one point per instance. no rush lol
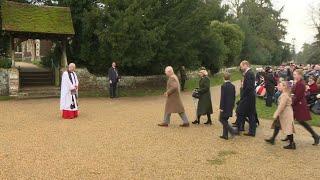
(224, 137)
(248, 134)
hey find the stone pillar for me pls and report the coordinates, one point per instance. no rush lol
(64, 60)
(13, 76)
(11, 51)
(37, 50)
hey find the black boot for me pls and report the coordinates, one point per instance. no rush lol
(209, 122)
(197, 121)
(316, 140)
(275, 133)
(311, 131)
(292, 145)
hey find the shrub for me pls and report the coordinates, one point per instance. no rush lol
(5, 62)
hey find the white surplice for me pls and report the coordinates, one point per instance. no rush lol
(66, 86)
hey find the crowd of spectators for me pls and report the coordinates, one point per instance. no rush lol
(267, 79)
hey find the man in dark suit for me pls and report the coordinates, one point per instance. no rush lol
(247, 103)
(183, 77)
(227, 99)
(113, 80)
(270, 83)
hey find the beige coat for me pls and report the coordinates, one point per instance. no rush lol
(173, 103)
(285, 113)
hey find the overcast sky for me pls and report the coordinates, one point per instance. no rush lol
(298, 13)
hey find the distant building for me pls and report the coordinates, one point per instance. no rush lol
(32, 50)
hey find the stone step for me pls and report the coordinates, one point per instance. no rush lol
(40, 88)
(39, 92)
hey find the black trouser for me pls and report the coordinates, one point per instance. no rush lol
(183, 82)
(113, 90)
(252, 123)
(226, 127)
(308, 128)
(269, 99)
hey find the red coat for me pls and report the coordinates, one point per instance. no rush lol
(313, 88)
(300, 109)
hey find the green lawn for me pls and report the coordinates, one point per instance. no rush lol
(267, 112)
(5, 98)
(215, 80)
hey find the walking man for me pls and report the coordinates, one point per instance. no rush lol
(173, 102)
(113, 80)
(247, 103)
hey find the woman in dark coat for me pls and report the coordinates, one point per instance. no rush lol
(204, 104)
(299, 104)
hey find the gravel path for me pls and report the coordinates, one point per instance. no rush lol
(119, 139)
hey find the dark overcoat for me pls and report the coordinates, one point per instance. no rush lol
(247, 102)
(227, 99)
(204, 104)
(299, 104)
(270, 83)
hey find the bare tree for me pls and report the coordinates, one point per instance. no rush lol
(235, 6)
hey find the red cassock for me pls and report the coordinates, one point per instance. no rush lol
(299, 104)
(66, 114)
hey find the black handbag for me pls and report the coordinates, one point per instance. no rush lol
(195, 94)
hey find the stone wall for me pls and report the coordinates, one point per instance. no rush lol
(4, 82)
(13, 77)
(90, 82)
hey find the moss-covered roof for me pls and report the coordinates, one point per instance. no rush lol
(21, 17)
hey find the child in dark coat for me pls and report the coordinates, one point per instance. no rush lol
(227, 100)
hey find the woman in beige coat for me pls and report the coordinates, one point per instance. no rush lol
(284, 116)
(173, 102)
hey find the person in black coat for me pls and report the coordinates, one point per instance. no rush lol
(247, 103)
(270, 84)
(227, 100)
(183, 77)
(113, 80)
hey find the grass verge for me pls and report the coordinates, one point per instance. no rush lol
(191, 84)
(5, 98)
(215, 80)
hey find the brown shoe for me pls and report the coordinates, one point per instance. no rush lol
(163, 125)
(185, 125)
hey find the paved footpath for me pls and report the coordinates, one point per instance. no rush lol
(119, 139)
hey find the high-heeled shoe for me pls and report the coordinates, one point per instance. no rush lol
(196, 122)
